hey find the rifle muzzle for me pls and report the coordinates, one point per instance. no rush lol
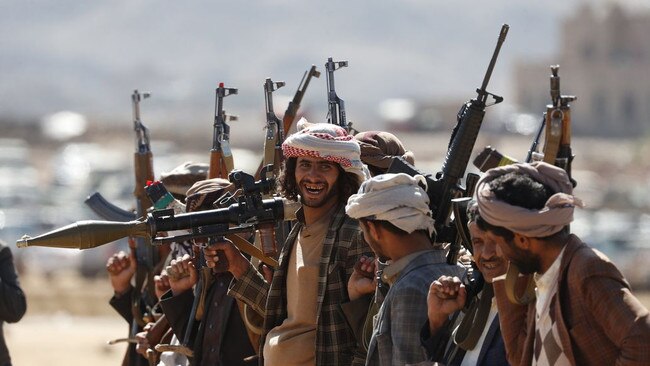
(86, 234)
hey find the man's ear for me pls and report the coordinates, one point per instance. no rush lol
(522, 242)
(373, 229)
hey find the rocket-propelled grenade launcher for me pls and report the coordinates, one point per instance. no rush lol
(250, 213)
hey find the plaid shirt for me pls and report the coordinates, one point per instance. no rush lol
(343, 245)
(396, 335)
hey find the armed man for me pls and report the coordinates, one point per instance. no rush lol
(304, 322)
(122, 267)
(219, 336)
(582, 312)
(396, 222)
(474, 338)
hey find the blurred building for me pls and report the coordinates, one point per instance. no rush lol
(605, 61)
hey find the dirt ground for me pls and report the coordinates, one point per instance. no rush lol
(69, 321)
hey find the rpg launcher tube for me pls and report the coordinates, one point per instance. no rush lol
(86, 234)
(93, 233)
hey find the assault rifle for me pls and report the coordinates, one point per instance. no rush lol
(556, 126)
(292, 109)
(336, 106)
(274, 133)
(221, 160)
(445, 186)
(146, 256)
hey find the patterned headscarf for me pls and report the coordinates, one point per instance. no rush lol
(326, 141)
(396, 198)
(556, 213)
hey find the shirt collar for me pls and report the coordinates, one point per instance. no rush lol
(392, 271)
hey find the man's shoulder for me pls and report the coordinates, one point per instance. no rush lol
(583, 261)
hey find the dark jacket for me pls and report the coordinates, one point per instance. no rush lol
(220, 338)
(12, 299)
(440, 347)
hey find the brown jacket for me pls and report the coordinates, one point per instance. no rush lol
(600, 322)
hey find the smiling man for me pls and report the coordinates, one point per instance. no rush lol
(476, 337)
(304, 322)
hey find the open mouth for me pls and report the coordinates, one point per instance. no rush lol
(314, 189)
(491, 265)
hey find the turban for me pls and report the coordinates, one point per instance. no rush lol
(379, 147)
(325, 141)
(203, 194)
(181, 178)
(536, 223)
(396, 198)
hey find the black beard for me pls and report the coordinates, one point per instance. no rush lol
(332, 193)
(525, 261)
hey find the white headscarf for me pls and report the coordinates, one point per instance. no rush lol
(396, 198)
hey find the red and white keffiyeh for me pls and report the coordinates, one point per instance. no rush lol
(326, 141)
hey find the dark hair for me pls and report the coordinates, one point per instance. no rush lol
(347, 183)
(392, 228)
(521, 190)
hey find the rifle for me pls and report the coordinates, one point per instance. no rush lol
(556, 151)
(292, 109)
(336, 105)
(274, 133)
(445, 186)
(221, 160)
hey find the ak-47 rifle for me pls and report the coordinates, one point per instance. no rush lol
(445, 186)
(146, 255)
(556, 127)
(221, 160)
(274, 133)
(292, 109)
(336, 105)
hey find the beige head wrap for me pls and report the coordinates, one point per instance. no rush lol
(556, 213)
(326, 141)
(379, 147)
(396, 198)
(181, 178)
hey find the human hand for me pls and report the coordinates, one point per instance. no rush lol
(362, 281)
(161, 283)
(121, 267)
(142, 344)
(182, 274)
(237, 263)
(446, 296)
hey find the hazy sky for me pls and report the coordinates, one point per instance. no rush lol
(89, 56)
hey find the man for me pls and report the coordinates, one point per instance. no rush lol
(378, 148)
(12, 298)
(584, 312)
(304, 322)
(220, 337)
(476, 337)
(396, 222)
(122, 266)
